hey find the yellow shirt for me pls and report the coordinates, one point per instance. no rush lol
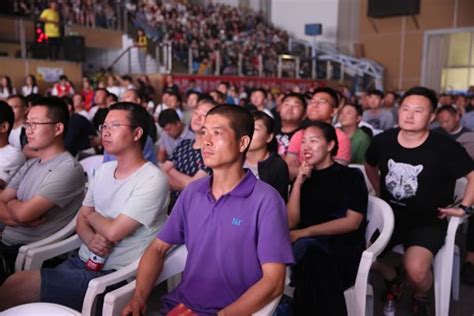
(51, 29)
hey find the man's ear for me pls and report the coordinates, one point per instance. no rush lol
(59, 129)
(138, 133)
(244, 143)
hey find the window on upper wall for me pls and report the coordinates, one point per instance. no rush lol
(458, 74)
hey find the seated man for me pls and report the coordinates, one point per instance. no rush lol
(234, 227)
(418, 171)
(11, 158)
(174, 131)
(449, 121)
(47, 191)
(123, 210)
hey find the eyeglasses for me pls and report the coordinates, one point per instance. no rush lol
(320, 101)
(33, 125)
(112, 126)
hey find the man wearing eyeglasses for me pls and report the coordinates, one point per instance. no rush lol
(322, 107)
(47, 191)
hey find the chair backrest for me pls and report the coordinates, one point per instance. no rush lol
(380, 218)
(459, 189)
(370, 188)
(89, 165)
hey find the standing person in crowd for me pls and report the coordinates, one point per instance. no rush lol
(450, 125)
(46, 192)
(234, 249)
(223, 87)
(349, 118)
(415, 171)
(63, 88)
(30, 86)
(376, 115)
(292, 113)
(87, 93)
(322, 107)
(11, 158)
(6, 88)
(326, 212)
(174, 131)
(141, 43)
(169, 84)
(20, 106)
(123, 209)
(50, 18)
(186, 163)
(262, 157)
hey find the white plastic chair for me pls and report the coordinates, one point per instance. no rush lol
(89, 165)
(35, 309)
(360, 298)
(37, 256)
(175, 261)
(370, 188)
(61, 234)
(447, 263)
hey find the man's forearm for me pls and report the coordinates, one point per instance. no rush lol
(5, 217)
(256, 297)
(84, 230)
(149, 269)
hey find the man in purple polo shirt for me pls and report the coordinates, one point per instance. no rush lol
(234, 227)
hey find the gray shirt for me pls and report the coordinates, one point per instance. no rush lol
(61, 181)
(383, 119)
(169, 144)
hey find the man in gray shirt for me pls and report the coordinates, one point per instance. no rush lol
(47, 191)
(375, 115)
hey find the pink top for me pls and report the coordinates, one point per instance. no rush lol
(344, 143)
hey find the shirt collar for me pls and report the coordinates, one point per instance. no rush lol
(243, 189)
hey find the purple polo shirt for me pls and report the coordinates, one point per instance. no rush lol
(227, 240)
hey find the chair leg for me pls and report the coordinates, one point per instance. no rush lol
(456, 273)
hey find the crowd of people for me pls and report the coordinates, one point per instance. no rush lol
(249, 182)
(91, 13)
(212, 30)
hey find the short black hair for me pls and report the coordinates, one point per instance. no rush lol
(225, 83)
(269, 122)
(449, 108)
(190, 92)
(57, 110)
(330, 92)
(298, 96)
(7, 115)
(329, 134)
(63, 77)
(137, 116)
(262, 90)
(376, 92)
(424, 92)
(241, 120)
(23, 100)
(168, 116)
(113, 96)
(357, 107)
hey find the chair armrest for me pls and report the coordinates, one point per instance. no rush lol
(116, 300)
(36, 257)
(98, 285)
(61, 234)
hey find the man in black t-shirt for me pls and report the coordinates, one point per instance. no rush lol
(292, 113)
(418, 170)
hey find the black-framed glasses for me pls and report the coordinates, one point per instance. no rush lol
(112, 126)
(33, 125)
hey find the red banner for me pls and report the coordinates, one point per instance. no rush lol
(208, 83)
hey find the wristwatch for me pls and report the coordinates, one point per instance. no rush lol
(468, 210)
